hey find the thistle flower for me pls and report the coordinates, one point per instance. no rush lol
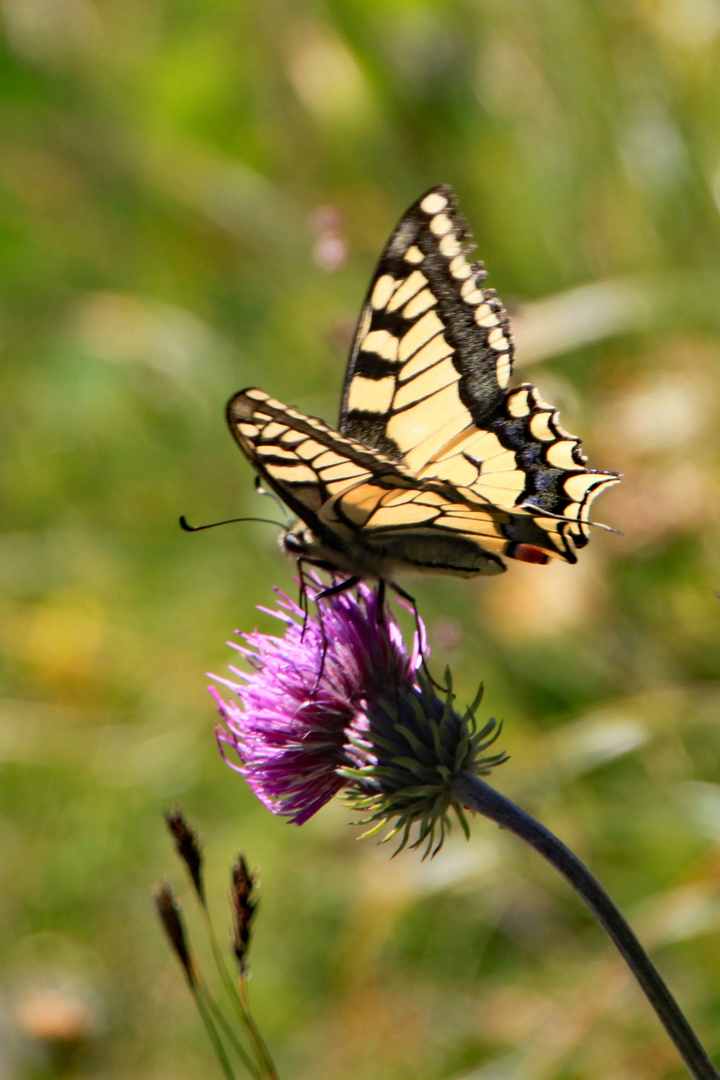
(339, 703)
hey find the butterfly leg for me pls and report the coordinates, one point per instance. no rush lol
(332, 590)
(420, 633)
(338, 587)
(303, 597)
(380, 601)
(305, 588)
(350, 583)
(323, 654)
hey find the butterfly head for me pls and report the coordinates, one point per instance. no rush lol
(298, 541)
(301, 543)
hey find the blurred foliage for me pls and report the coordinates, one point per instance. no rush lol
(192, 198)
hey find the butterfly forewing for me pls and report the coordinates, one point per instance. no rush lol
(301, 458)
(427, 380)
(431, 341)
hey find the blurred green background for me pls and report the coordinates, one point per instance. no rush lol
(193, 197)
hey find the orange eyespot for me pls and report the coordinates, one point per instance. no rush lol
(529, 553)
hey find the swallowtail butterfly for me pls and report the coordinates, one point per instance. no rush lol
(437, 463)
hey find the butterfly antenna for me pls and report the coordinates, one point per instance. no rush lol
(230, 521)
(276, 498)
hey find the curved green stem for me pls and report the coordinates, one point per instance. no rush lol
(475, 794)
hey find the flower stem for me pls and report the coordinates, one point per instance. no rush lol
(475, 794)
(241, 1005)
(212, 1031)
(256, 1038)
(221, 1021)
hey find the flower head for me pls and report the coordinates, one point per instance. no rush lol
(338, 702)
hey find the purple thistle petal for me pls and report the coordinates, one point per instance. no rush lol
(337, 703)
(291, 718)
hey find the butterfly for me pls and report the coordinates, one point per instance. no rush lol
(438, 463)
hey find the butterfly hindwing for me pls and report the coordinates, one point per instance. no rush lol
(429, 527)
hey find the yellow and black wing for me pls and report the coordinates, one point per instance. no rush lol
(428, 378)
(301, 458)
(368, 514)
(438, 463)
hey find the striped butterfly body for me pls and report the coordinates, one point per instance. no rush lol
(438, 464)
